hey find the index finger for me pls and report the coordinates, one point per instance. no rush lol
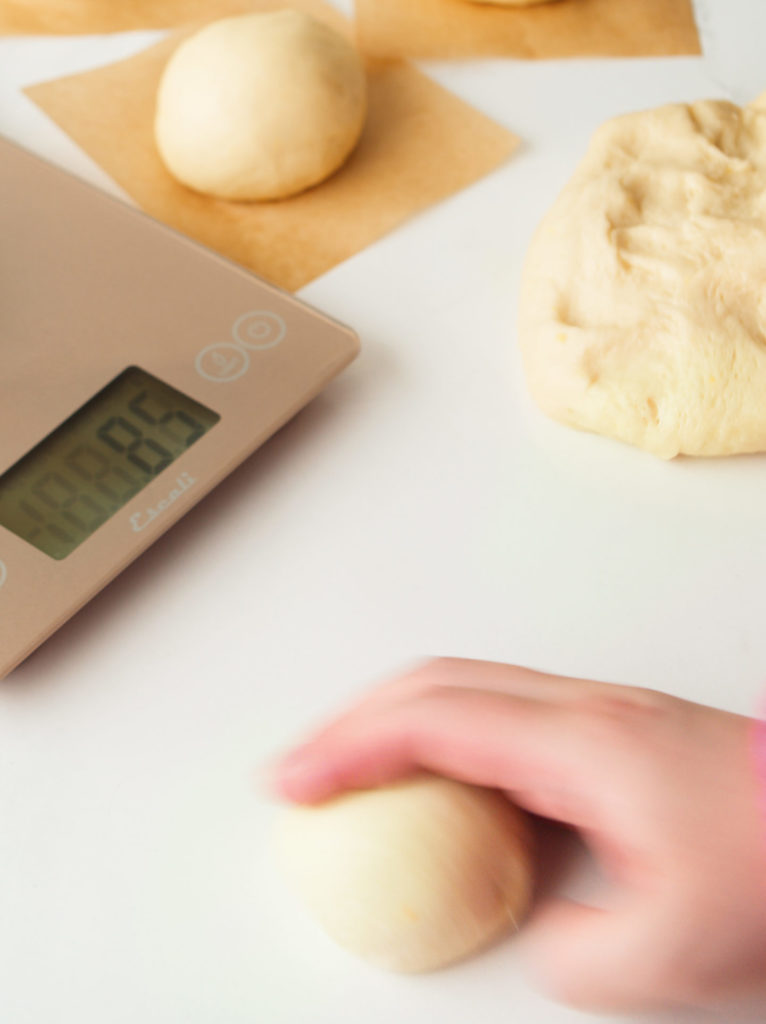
(525, 747)
(469, 674)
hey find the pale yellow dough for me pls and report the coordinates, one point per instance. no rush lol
(410, 876)
(260, 106)
(643, 309)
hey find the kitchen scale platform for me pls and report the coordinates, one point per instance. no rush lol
(138, 370)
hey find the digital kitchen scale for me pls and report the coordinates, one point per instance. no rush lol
(138, 369)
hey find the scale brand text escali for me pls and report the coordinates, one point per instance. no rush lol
(140, 520)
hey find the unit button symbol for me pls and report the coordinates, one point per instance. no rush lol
(259, 329)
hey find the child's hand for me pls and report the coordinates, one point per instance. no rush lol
(662, 791)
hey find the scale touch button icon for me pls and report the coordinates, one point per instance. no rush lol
(222, 362)
(259, 329)
(3, 573)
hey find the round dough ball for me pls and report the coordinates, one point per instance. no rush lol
(260, 106)
(643, 310)
(410, 876)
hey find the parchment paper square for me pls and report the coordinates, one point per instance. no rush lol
(89, 17)
(565, 28)
(420, 145)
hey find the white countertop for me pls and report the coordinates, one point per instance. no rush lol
(420, 506)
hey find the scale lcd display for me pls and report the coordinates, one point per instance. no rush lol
(88, 468)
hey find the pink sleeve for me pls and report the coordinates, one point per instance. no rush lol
(759, 746)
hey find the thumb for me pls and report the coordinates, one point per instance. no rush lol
(597, 960)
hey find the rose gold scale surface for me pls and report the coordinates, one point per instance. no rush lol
(138, 370)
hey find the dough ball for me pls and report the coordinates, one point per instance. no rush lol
(643, 311)
(260, 106)
(410, 876)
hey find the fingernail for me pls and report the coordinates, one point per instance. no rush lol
(290, 770)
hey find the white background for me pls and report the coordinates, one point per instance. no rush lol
(420, 506)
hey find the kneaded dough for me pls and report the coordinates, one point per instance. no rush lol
(643, 305)
(260, 106)
(410, 876)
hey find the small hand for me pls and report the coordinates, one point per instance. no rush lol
(663, 791)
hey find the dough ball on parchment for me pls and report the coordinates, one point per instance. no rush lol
(260, 106)
(410, 876)
(643, 308)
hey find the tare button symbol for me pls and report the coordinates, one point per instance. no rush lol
(3, 573)
(222, 362)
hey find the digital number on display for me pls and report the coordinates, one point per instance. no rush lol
(79, 476)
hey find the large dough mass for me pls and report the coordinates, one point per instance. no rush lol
(260, 106)
(643, 309)
(410, 876)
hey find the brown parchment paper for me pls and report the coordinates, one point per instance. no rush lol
(84, 17)
(420, 144)
(564, 28)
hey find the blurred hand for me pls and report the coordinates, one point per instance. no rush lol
(662, 791)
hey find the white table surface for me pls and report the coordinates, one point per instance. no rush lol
(420, 506)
